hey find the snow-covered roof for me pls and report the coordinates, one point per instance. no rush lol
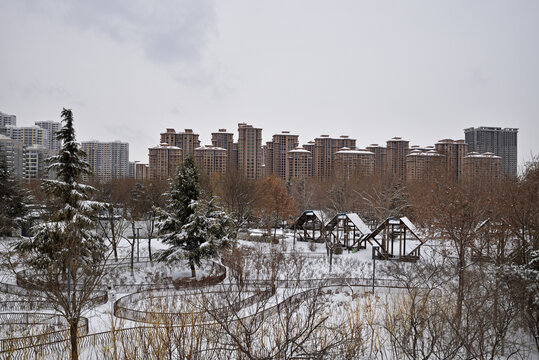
(424, 153)
(299, 150)
(486, 155)
(165, 146)
(356, 220)
(210, 147)
(410, 226)
(481, 224)
(346, 150)
(320, 215)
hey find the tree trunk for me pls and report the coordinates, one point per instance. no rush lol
(460, 290)
(73, 333)
(150, 235)
(133, 246)
(132, 256)
(113, 234)
(193, 270)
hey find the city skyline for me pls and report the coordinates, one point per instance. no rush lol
(328, 156)
(415, 70)
(187, 132)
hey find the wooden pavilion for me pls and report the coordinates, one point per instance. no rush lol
(309, 226)
(348, 230)
(396, 239)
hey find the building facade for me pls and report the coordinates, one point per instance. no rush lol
(6, 120)
(29, 135)
(424, 164)
(13, 153)
(211, 160)
(52, 128)
(454, 152)
(396, 151)
(267, 156)
(163, 160)
(282, 143)
(35, 163)
(187, 141)
(499, 141)
(379, 158)
(142, 172)
(485, 166)
(249, 151)
(107, 160)
(324, 149)
(349, 163)
(225, 140)
(299, 164)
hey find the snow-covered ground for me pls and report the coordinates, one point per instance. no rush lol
(286, 262)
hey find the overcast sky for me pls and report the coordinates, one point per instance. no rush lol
(423, 70)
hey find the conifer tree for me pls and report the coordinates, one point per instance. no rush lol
(13, 201)
(193, 228)
(66, 256)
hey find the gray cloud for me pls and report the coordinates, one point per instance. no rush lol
(168, 31)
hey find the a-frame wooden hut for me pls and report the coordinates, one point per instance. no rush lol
(348, 230)
(396, 238)
(309, 226)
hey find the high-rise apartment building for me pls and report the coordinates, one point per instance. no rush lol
(211, 160)
(163, 160)
(142, 172)
(424, 164)
(225, 140)
(324, 149)
(396, 151)
(234, 159)
(107, 160)
(299, 164)
(132, 172)
(349, 163)
(282, 143)
(454, 151)
(379, 158)
(309, 147)
(187, 140)
(6, 120)
(29, 135)
(267, 155)
(500, 141)
(35, 163)
(13, 153)
(52, 128)
(249, 151)
(485, 166)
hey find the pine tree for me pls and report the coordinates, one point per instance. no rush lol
(193, 228)
(13, 201)
(66, 256)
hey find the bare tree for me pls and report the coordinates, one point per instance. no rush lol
(238, 195)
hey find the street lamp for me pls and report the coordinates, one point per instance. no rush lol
(374, 250)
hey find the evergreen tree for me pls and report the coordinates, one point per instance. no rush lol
(193, 228)
(13, 201)
(66, 255)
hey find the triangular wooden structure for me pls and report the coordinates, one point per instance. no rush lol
(347, 229)
(309, 226)
(395, 238)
